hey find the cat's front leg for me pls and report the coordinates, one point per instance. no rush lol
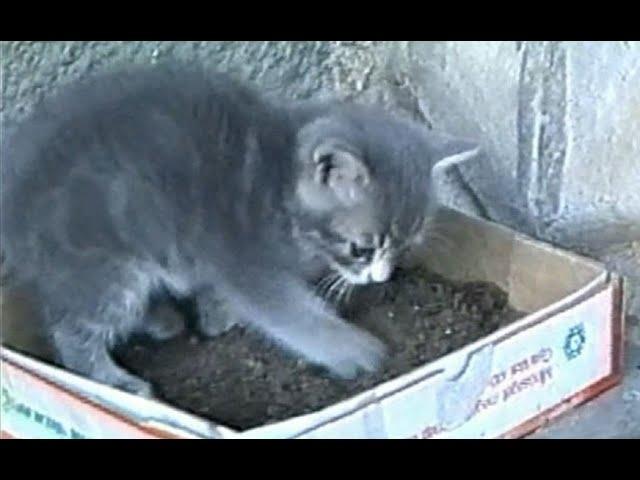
(344, 349)
(287, 311)
(213, 315)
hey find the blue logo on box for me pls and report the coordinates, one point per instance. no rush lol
(574, 342)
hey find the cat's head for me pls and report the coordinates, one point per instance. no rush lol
(365, 187)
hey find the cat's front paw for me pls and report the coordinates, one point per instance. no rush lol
(136, 386)
(212, 326)
(214, 318)
(352, 351)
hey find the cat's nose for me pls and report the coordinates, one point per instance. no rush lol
(380, 272)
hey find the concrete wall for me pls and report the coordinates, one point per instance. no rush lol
(558, 121)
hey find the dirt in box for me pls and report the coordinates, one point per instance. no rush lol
(241, 380)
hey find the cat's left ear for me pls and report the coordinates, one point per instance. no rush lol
(447, 152)
(449, 157)
(340, 168)
(335, 162)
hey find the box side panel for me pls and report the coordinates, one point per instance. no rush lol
(535, 274)
(502, 385)
(461, 248)
(617, 363)
(541, 275)
(543, 366)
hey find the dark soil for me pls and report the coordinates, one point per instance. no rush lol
(241, 380)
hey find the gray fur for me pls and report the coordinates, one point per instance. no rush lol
(173, 179)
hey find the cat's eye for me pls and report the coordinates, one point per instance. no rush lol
(361, 252)
(325, 164)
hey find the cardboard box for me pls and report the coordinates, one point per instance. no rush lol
(567, 350)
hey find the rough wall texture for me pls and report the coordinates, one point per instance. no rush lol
(296, 69)
(558, 121)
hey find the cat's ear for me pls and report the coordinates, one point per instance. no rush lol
(449, 155)
(447, 151)
(340, 168)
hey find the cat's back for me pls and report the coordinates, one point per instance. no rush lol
(139, 133)
(125, 108)
(122, 120)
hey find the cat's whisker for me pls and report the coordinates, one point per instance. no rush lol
(335, 285)
(323, 285)
(320, 284)
(327, 279)
(437, 237)
(343, 291)
(433, 235)
(350, 289)
(344, 286)
(431, 231)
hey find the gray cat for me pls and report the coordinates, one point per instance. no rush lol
(173, 179)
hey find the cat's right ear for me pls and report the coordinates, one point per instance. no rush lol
(447, 155)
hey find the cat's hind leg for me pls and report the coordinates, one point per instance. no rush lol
(87, 351)
(91, 311)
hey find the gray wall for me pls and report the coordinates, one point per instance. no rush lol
(558, 121)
